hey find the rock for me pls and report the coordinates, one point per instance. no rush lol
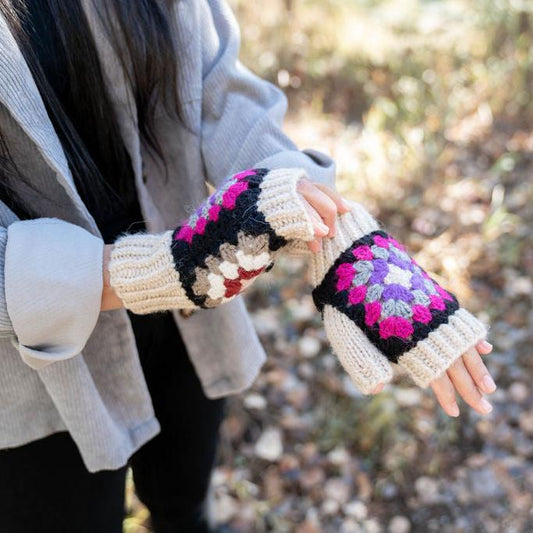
(356, 509)
(301, 309)
(309, 346)
(351, 526)
(526, 422)
(427, 489)
(477, 460)
(350, 389)
(269, 446)
(329, 362)
(233, 427)
(312, 515)
(273, 485)
(372, 526)
(266, 321)
(523, 446)
(339, 456)
(408, 397)
(312, 478)
(330, 507)
(244, 520)
(399, 524)
(365, 487)
(389, 491)
(306, 371)
(288, 463)
(307, 527)
(225, 508)
(338, 490)
(255, 401)
(484, 484)
(221, 476)
(298, 397)
(518, 286)
(519, 392)
(309, 452)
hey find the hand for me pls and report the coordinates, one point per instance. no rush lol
(469, 376)
(323, 205)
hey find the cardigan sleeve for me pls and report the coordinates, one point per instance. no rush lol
(52, 288)
(242, 114)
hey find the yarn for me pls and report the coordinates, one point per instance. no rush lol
(368, 288)
(375, 269)
(218, 251)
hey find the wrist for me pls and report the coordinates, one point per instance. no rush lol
(110, 300)
(283, 206)
(351, 227)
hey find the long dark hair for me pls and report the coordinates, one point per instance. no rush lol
(140, 34)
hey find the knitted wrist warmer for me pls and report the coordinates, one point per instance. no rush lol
(218, 251)
(379, 306)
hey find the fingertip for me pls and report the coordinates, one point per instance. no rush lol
(345, 206)
(315, 246)
(488, 384)
(453, 410)
(321, 230)
(485, 407)
(484, 347)
(378, 388)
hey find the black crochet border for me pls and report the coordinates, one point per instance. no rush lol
(326, 294)
(243, 217)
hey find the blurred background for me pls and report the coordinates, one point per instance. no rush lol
(426, 107)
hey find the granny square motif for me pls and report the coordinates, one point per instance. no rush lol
(386, 293)
(226, 243)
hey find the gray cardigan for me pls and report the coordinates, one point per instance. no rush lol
(64, 365)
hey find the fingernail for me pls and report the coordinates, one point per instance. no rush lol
(346, 205)
(486, 407)
(323, 228)
(454, 410)
(489, 384)
(486, 344)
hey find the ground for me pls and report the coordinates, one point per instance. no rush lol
(425, 106)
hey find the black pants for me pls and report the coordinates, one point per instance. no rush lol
(45, 488)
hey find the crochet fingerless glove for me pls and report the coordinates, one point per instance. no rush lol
(379, 306)
(218, 251)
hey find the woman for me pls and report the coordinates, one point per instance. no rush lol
(113, 115)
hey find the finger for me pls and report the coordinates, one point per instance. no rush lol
(484, 347)
(465, 386)
(445, 393)
(478, 371)
(342, 205)
(321, 202)
(315, 246)
(378, 389)
(321, 230)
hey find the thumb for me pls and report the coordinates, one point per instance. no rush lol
(364, 363)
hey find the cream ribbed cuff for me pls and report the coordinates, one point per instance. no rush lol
(142, 273)
(363, 362)
(351, 226)
(436, 353)
(283, 206)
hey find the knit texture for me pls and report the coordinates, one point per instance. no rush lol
(218, 251)
(380, 305)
